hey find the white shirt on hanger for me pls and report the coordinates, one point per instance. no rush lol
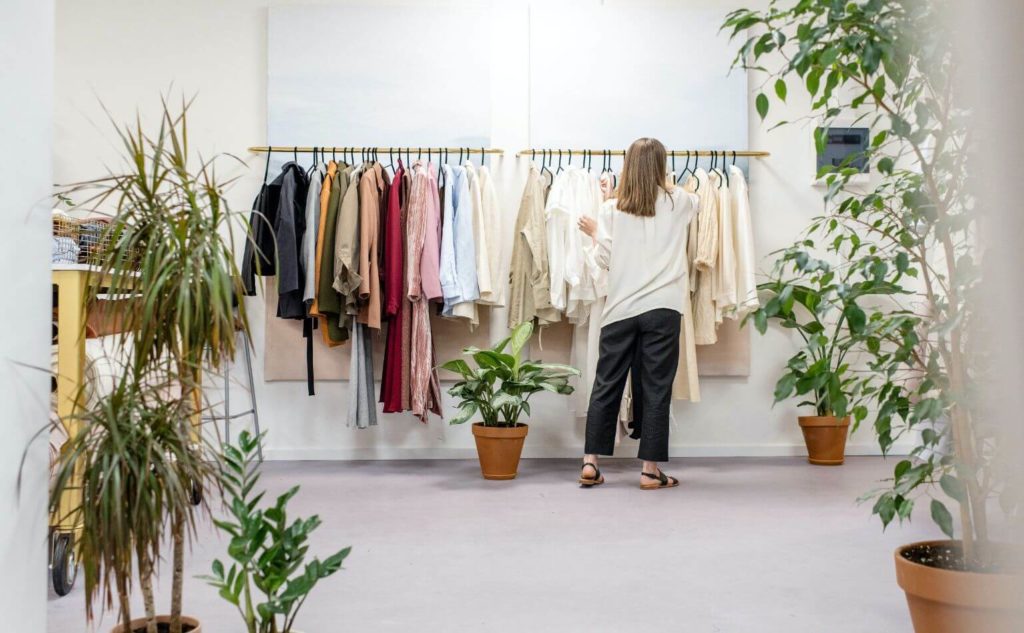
(574, 193)
(746, 261)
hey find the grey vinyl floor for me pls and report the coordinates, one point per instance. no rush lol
(743, 546)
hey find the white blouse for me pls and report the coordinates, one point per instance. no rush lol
(645, 256)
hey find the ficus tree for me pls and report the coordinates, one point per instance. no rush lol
(890, 66)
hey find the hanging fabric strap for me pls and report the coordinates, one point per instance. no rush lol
(308, 325)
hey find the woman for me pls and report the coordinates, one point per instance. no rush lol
(640, 238)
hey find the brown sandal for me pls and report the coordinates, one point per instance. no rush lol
(596, 480)
(664, 481)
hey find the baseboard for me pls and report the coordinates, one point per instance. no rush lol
(555, 452)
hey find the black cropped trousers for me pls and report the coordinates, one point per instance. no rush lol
(649, 344)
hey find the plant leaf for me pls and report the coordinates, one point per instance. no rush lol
(780, 89)
(762, 105)
(942, 517)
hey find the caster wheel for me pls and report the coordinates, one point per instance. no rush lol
(64, 567)
(196, 493)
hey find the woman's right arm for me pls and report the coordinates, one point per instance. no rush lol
(602, 235)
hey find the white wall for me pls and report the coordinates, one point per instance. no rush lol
(126, 52)
(26, 69)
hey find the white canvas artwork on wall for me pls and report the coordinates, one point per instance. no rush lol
(602, 75)
(332, 80)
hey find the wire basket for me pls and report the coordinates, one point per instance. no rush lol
(84, 241)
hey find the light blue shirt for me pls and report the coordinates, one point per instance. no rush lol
(458, 248)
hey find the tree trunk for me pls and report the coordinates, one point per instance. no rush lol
(146, 586)
(178, 536)
(125, 603)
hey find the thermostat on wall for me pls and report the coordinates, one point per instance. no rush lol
(842, 143)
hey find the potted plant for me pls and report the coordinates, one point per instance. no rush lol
(821, 303)
(498, 389)
(268, 579)
(133, 464)
(169, 250)
(892, 66)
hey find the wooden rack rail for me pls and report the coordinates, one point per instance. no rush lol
(379, 150)
(621, 152)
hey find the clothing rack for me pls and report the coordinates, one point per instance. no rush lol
(379, 150)
(621, 152)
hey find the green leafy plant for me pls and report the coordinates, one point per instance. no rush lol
(500, 386)
(821, 303)
(168, 254)
(133, 464)
(890, 65)
(268, 579)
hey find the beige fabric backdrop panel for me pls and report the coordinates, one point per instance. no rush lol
(285, 356)
(285, 349)
(730, 356)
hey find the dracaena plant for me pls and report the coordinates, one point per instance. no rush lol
(168, 256)
(821, 303)
(268, 577)
(133, 463)
(499, 388)
(890, 65)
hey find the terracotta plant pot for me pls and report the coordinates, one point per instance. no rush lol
(825, 437)
(499, 449)
(163, 623)
(947, 601)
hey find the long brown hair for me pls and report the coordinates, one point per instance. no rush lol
(643, 177)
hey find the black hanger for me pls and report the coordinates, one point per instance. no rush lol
(266, 168)
(696, 166)
(309, 172)
(560, 168)
(295, 153)
(483, 155)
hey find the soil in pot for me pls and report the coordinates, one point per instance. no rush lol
(944, 597)
(163, 625)
(825, 437)
(499, 449)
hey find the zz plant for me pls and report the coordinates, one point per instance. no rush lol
(267, 578)
(500, 386)
(890, 65)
